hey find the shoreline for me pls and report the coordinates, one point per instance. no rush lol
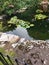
(7, 37)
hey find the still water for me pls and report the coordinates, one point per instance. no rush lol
(31, 33)
(20, 31)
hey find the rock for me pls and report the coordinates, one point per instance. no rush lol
(33, 20)
(24, 43)
(44, 4)
(9, 38)
(4, 37)
(30, 47)
(13, 38)
(22, 40)
(34, 41)
(0, 33)
(2, 45)
(45, 62)
(32, 53)
(14, 45)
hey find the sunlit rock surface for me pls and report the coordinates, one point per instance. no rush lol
(9, 38)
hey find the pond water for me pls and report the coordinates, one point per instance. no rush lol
(31, 33)
(20, 31)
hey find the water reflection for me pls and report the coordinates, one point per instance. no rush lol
(22, 32)
(41, 33)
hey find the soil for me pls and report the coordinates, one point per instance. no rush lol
(32, 53)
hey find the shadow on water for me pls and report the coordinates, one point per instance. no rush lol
(37, 32)
(21, 32)
(7, 27)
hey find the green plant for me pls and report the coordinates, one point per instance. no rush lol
(2, 50)
(1, 63)
(7, 9)
(40, 16)
(18, 22)
(18, 4)
(1, 26)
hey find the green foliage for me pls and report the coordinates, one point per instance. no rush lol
(6, 27)
(2, 50)
(7, 9)
(11, 53)
(40, 17)
(1, 27)
(1, 63)
(18, 4)
(18, 22)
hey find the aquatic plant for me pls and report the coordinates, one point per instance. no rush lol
(40, 16)
(18, 22)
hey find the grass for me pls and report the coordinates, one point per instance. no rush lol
(2, 50)
(1, 63)
(10, 53)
